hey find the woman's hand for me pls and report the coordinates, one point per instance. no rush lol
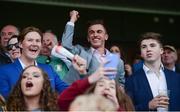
(112, 97)
(100, 73)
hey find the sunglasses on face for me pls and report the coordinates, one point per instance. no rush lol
(10, 46)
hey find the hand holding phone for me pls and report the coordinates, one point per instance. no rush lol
(111, 62)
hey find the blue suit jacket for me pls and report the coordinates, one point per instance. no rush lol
(10, 74)
(139, 90)
(137, 66)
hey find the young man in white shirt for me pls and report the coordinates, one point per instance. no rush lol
(144, 85)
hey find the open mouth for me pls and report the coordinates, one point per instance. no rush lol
(34, 50)
(105, 95)
(29, 84)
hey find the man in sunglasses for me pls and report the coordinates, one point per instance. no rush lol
(6, 33)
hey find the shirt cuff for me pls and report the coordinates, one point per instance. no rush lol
(70, 23)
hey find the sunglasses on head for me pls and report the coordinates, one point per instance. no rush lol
(10, 46)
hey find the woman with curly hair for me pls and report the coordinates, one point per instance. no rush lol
(32, 92)
(97, 83)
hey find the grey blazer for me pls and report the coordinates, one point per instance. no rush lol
(92, 62)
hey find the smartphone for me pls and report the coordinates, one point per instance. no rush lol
(112, 62)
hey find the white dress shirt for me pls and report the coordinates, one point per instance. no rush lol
(24, 66)
(157, 82)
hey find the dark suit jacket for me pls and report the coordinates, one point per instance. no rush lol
(10, 74)
(137, 66)
(139, 90)
(177, 66)
(4, 59)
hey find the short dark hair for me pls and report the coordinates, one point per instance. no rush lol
(97, 21)
(151, 35)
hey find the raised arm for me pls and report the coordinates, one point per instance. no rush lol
(68, 33)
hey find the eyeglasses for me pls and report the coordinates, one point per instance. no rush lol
(10, 46)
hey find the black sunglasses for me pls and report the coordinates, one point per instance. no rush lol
(10, 46)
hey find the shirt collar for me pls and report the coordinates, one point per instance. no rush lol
(96, 51)
(147, 70)
(24, 66)
(92, 50)
(174, 69)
